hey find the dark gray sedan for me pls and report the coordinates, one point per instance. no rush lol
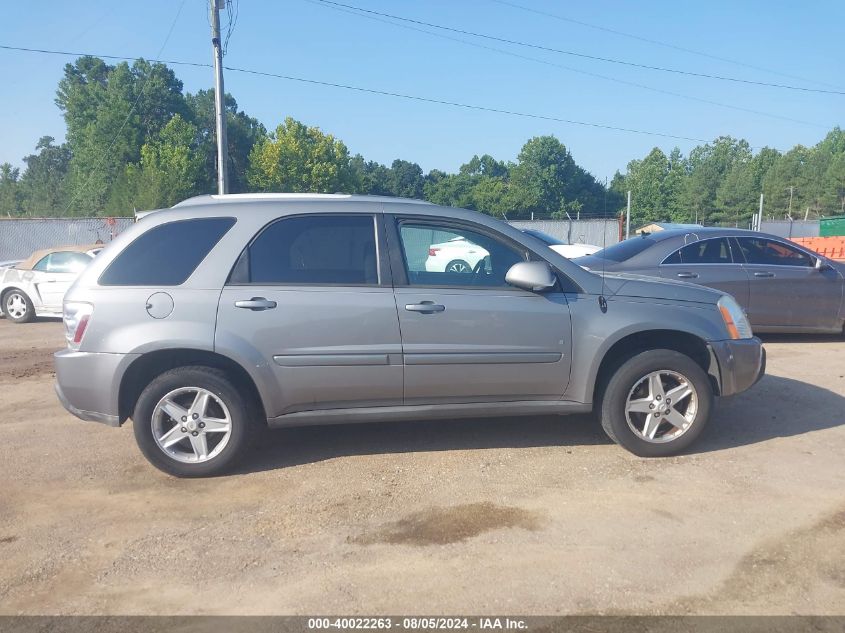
(782, 286)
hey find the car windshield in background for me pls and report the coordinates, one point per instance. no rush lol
(625, 250)
(545, 237)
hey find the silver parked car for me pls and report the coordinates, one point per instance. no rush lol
(206, 321)
(782, 286)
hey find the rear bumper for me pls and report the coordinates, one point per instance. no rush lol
(740, 364)
(88, 384)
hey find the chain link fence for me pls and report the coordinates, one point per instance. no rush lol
(21, 236)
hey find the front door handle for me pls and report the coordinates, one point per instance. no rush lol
(256, 304)
(425, 307)
(688, 275)
(764, 274)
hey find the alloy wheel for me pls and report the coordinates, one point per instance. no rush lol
(661, 406)
(191, 425)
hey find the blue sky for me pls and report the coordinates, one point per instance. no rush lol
(297, 37)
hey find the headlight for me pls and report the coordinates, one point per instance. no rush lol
(76, 315)
(734, 317)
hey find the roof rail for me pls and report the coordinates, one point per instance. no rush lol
(245, 197)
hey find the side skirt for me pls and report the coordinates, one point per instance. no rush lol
(428, 412)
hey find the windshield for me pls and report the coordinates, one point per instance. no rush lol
(545, 237)
(625, 250)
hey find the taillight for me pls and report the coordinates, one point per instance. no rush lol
(432, 252)
(76, 316)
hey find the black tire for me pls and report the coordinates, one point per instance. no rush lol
(458, 262)
(612, 412)
(29, 309)
(243, 427)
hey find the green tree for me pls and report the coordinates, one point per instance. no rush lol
(370, 177)
(169, 171)
(10, 194)
(709, 164)
(43, 184)
(406, 179)
(111, 112)
(242, 133)
(547, 182)
(646, 182)
(738, 195)
(298, 158)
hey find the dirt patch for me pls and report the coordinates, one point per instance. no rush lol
(9, 539)
(781, 570)
(438, 526)
(25, 363)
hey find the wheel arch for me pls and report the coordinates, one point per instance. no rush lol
(632, 344)
(151, 364)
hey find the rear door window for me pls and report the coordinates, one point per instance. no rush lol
(315, 250)
(167, 254)
(714, 251)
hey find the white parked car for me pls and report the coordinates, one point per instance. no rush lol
(570, 251)
(457, 255)
(37, 285)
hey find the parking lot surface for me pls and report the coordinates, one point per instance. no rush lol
(530, 516)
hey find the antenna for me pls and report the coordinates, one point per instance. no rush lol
(602, 299)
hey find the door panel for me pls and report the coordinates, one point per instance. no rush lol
(470, 336)
(730, 278)
(786, 289)
(711, 263)
(327, 347)
(52, 288)
(485, 345)
(312, 299)
(792, 296)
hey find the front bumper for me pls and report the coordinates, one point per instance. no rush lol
(739, 364)
(88, 384)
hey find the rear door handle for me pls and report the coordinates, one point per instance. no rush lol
(688, 275)
(764, 274)
(256, 304)
(426, 307)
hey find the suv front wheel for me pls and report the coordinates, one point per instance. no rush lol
(192, 422)
(656, 403)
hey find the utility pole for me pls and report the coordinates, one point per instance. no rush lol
(628, 217)
(791, 189)
(219, 96)
(759, 223)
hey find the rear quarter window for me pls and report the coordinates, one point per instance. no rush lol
(625, 250)
(167, 254)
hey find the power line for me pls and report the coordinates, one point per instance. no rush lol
(610, 60)
(458, 104)
(386, 93)
(569, 68)
(129, 114)
(657, 42)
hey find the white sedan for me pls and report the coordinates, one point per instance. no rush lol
(457, 255)
(570, 251)
(37, 285)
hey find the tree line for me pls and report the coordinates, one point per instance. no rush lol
(136, 141)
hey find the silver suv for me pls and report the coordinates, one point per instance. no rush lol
(207, 321)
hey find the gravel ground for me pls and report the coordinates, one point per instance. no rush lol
(532, 516)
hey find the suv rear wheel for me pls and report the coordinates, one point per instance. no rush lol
(656, 403)
(192, 422)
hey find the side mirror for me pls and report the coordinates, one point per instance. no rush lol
(533, 276)
(822, 265)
